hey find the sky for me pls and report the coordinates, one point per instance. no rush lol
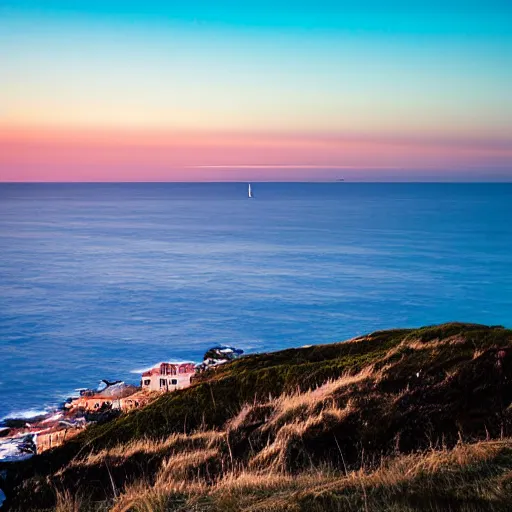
(372, 90)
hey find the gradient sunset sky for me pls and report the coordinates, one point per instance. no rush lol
(255, 90)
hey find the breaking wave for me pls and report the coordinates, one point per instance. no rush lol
(25, 415)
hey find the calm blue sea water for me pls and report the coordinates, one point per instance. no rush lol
(97, 280)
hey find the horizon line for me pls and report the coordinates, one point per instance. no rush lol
(333, 181)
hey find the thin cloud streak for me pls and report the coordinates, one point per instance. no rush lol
(288, 166)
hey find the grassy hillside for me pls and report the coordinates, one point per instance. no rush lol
(413, 419)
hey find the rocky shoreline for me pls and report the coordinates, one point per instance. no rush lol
(21, 438)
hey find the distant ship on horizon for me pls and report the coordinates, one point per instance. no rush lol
(249, 192)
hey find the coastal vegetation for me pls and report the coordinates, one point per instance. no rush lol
(398, 420)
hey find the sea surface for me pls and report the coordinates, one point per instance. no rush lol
(100, 280)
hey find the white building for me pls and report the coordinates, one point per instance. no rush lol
(168, 376)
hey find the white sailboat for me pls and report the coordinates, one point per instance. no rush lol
(249, 193)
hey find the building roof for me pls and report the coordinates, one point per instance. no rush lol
(156, 370)
(174, 363)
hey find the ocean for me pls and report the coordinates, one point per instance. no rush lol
(102, 280)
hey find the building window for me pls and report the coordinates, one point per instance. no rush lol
(174, 382)
(163, 383)
(147, 382)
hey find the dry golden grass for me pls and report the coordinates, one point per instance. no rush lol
(416, 344)
(161, 497)
(288, 407)
(301, 401)
(236, 422)
(385, 488)
(311, 398)
(175, 442)
(263, 483)
(179, 467)
(67, 502)
(477, 353)
(276, 456)
(291, 416)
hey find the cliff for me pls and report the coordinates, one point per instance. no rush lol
(408, 419)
